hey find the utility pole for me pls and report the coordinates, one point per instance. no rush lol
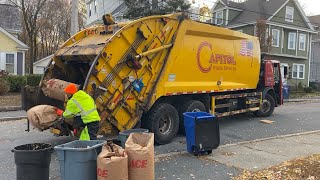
(74, 17)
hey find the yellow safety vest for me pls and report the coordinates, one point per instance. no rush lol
(82, 104)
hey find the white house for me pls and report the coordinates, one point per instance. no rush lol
(39, 66)
(12, 50)
(97, 8)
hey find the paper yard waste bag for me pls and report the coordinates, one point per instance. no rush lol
(140, 149)
(112, 163)
(42, 116)
(53, 88)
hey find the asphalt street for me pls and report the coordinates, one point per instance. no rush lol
(289, 119)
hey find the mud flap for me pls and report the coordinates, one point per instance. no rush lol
(33, 96)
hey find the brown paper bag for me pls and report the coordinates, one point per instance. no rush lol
(112, 163)
(140, 149)
(42, 116)
(54, 88)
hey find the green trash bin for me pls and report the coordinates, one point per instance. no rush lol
(78, 159)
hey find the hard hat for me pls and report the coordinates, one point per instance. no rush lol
(71, 89)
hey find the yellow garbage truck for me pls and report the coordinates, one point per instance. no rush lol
(148, 72)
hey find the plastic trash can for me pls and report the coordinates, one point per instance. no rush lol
(202, 132)
(32, 161)
(286, 91)
(123, 136)
(78, 159)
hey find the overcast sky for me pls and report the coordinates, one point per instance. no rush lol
(311, 7)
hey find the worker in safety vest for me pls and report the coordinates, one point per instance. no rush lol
(83, 109)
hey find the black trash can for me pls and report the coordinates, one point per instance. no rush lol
(32, 161)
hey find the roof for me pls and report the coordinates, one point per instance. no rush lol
(21, 44)
(10, 17)
(43, 59)
(315, 20)
(266, 8)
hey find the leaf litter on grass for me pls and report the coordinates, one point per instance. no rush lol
(304, 168)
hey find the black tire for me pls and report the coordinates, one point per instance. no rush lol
(267, 107)
(163, 121)
(190, 106)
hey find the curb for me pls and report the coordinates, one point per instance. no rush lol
(300, 100)
(10, 108)
(171, 154)
(3, 119)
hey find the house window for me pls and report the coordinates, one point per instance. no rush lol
(10, 63)
(302, 42)
(289, 14)
(275, 37)
(292, 41)
(95, 6)
(298, 71)
(219, 18)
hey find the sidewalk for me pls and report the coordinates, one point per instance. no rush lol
(12, 115)
(257, 155)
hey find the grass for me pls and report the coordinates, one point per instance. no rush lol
(302, 95)
(304, 168)
(10, 99)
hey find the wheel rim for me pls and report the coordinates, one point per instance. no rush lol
(165, 124)
(196, 110)
(266, 106)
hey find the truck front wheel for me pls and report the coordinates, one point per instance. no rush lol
(163, 121)
(267, 107)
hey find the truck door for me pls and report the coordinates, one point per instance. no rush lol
(278, 82)
(284, 73)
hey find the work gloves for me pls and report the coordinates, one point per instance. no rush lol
(59, 112)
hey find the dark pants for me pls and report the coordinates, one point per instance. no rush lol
(93, 128)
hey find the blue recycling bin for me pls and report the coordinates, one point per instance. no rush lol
(202, 132)
(286, 91)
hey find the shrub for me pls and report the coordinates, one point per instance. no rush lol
(16, 82)
(4, 86)
(33, 79)
(308, 90)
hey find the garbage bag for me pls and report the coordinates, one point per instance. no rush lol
(112, 163)
(42, 116)
(53, 88)
(140, 149)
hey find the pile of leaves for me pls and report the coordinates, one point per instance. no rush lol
(305, 168)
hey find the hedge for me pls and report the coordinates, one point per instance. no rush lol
(33, 79)
(16, 82)
(4, 86)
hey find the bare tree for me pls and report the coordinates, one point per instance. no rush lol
(30, 11)
(262, 32)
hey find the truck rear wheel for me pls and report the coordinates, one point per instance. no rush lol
(163, 121)
(267, 107)
(190, 106)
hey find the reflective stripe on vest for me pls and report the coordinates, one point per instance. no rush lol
(83, 112)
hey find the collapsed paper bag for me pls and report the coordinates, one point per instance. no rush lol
(140, 149)
(42, 116)
(54, 88)
(112, 163)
